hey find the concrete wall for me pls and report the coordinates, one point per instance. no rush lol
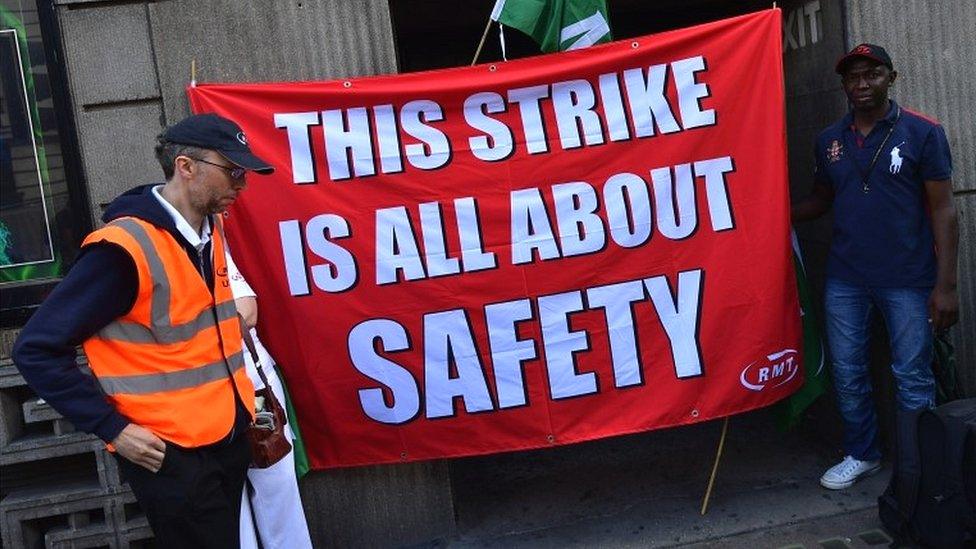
(128, 65)
(931, 45)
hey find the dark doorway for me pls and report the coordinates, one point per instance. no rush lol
(435, 34)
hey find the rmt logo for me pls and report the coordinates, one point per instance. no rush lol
(778, 369)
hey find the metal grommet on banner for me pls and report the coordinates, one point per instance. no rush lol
(492, 68)
(694, 413)
(403, 455)
(634, 44)
(347, 84)
(551, 438)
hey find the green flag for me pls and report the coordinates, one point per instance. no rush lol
(301, 457)
(788, 411)
(557, 25)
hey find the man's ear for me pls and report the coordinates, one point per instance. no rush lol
(892, 77)
(184, 166)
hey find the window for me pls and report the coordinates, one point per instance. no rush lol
(43, 209)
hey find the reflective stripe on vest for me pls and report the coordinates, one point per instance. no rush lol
(171, 381)
(132, 332)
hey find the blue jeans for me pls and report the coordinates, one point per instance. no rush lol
(849, 308)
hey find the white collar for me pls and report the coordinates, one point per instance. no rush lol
(198, 241)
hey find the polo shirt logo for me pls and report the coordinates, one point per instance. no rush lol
(835, 151)
(895, 166)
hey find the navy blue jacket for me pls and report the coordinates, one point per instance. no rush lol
(100, 287)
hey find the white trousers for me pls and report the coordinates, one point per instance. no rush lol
(272, 509)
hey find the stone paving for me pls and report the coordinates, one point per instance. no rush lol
(646, 490)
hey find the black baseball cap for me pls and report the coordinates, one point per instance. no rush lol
(867, 51)
(210, 131)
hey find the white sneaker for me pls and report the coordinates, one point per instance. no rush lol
(847, 472)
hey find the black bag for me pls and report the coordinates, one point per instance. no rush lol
(931, 499)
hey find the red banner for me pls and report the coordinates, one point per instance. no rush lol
(524, 254)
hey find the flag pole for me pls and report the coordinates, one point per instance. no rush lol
(482, 43)
(718, 456)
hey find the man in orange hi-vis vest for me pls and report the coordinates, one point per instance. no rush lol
(149, 300)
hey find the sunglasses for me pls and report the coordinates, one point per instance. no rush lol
(236, 172)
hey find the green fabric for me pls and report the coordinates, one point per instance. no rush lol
(301, 456)
(947, 386)
(788, 412)
(4, 244)
(544, 21)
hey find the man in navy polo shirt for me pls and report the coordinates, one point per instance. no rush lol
(886, 170)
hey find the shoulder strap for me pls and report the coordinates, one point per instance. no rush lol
(249, 343)
(867, 174)
(908, 468)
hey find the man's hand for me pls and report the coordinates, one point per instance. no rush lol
(140, 446)
(943, 308)
(247, 307)
(817, 203)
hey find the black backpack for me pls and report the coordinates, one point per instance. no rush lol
(931, 499)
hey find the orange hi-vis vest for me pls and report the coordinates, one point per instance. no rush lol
(167, 363)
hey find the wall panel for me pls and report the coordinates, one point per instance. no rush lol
(235, 41)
